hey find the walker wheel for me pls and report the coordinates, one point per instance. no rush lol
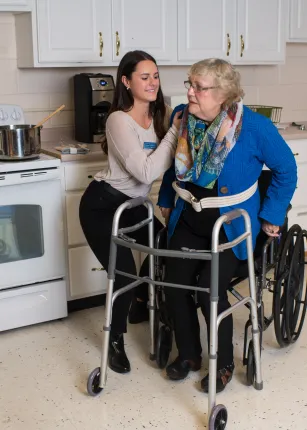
(218, 418)
(93, 388)
(163, 345)
(250, 369)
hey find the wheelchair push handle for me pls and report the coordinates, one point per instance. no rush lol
(138, 201)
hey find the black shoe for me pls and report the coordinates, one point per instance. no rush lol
(223, 377)
(138, 312)
(118, 360)
(180, 369)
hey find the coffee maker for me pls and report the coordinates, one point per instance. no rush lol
(93, 93)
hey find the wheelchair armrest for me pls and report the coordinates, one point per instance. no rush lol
(289, 208)
(161, 238)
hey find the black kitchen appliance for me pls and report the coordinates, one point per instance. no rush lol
(93, 93)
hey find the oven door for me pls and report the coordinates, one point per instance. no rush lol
(31, 233)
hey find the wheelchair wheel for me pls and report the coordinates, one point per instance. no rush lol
(282, 273)
(164, 343)
(250, 367)
(296, 293)
(218, 418)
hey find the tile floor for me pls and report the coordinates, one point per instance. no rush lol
(44, 369)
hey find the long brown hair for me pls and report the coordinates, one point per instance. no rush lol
(123, 100)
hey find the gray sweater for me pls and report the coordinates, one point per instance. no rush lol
(134, 162)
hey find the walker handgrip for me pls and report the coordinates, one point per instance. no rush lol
(138, 201)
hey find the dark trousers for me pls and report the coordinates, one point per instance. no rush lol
(97, 208)
(181, 303)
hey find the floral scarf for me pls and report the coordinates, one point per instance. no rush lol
(201, 153)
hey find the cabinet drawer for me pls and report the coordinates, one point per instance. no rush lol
(74, 230)
(299, 149)
(77, 177)
(85, 282)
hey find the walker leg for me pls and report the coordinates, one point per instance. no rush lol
(151, 287)
(108, 316)
(254, 313)
(213, 331)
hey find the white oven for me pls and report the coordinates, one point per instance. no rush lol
(32, 258)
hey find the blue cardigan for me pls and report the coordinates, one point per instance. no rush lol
(259, 143)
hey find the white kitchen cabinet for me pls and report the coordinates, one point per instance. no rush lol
(64, 33)
(86, 275)
(75, 234)
(298, 213)
(260, 31)
(70, 33)
(14, 5)
(298, 216)
(206, 29)
(297, 21)
(73, 30)
(146, 25)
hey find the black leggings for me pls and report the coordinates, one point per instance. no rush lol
(97, 208)
(181, 303)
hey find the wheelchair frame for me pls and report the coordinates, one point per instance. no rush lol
(217, 414)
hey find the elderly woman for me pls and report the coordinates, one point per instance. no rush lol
(222, 147)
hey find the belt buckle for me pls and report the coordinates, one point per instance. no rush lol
(196, 201)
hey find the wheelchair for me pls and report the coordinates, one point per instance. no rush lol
(279, 268)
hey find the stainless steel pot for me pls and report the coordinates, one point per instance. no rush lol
(19, 142)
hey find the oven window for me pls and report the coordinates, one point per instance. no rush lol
(21, 233)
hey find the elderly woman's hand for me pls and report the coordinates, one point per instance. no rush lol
(166, 212)
(270, 229)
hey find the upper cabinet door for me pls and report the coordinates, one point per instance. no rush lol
(298, 21)
(260, 31)
(149, 26)
(73, 30)
(205, 29)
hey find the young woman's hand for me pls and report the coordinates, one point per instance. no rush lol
(270, 229)
(176, 120)
(166, 212)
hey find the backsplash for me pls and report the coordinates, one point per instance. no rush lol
(39, 91)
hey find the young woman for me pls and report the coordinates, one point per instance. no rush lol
(140, 150)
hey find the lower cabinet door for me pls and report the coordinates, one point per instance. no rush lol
(85, 274)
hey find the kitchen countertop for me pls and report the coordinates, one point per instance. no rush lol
(293, 133)
(96, 154)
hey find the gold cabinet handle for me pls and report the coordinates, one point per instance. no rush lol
(228, 44)
(117, 43)
(242, 45)
(98, 269)
(100, 43)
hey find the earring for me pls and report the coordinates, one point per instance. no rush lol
(127, 88)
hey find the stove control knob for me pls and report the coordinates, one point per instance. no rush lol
(16, 115)
(3, 115)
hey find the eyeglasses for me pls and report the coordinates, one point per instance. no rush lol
(197, 88)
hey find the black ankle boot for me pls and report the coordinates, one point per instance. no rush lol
(223, 378)
(180, 369)
(138, 312)
(118, 360)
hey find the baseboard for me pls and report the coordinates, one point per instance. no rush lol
(86, 303)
